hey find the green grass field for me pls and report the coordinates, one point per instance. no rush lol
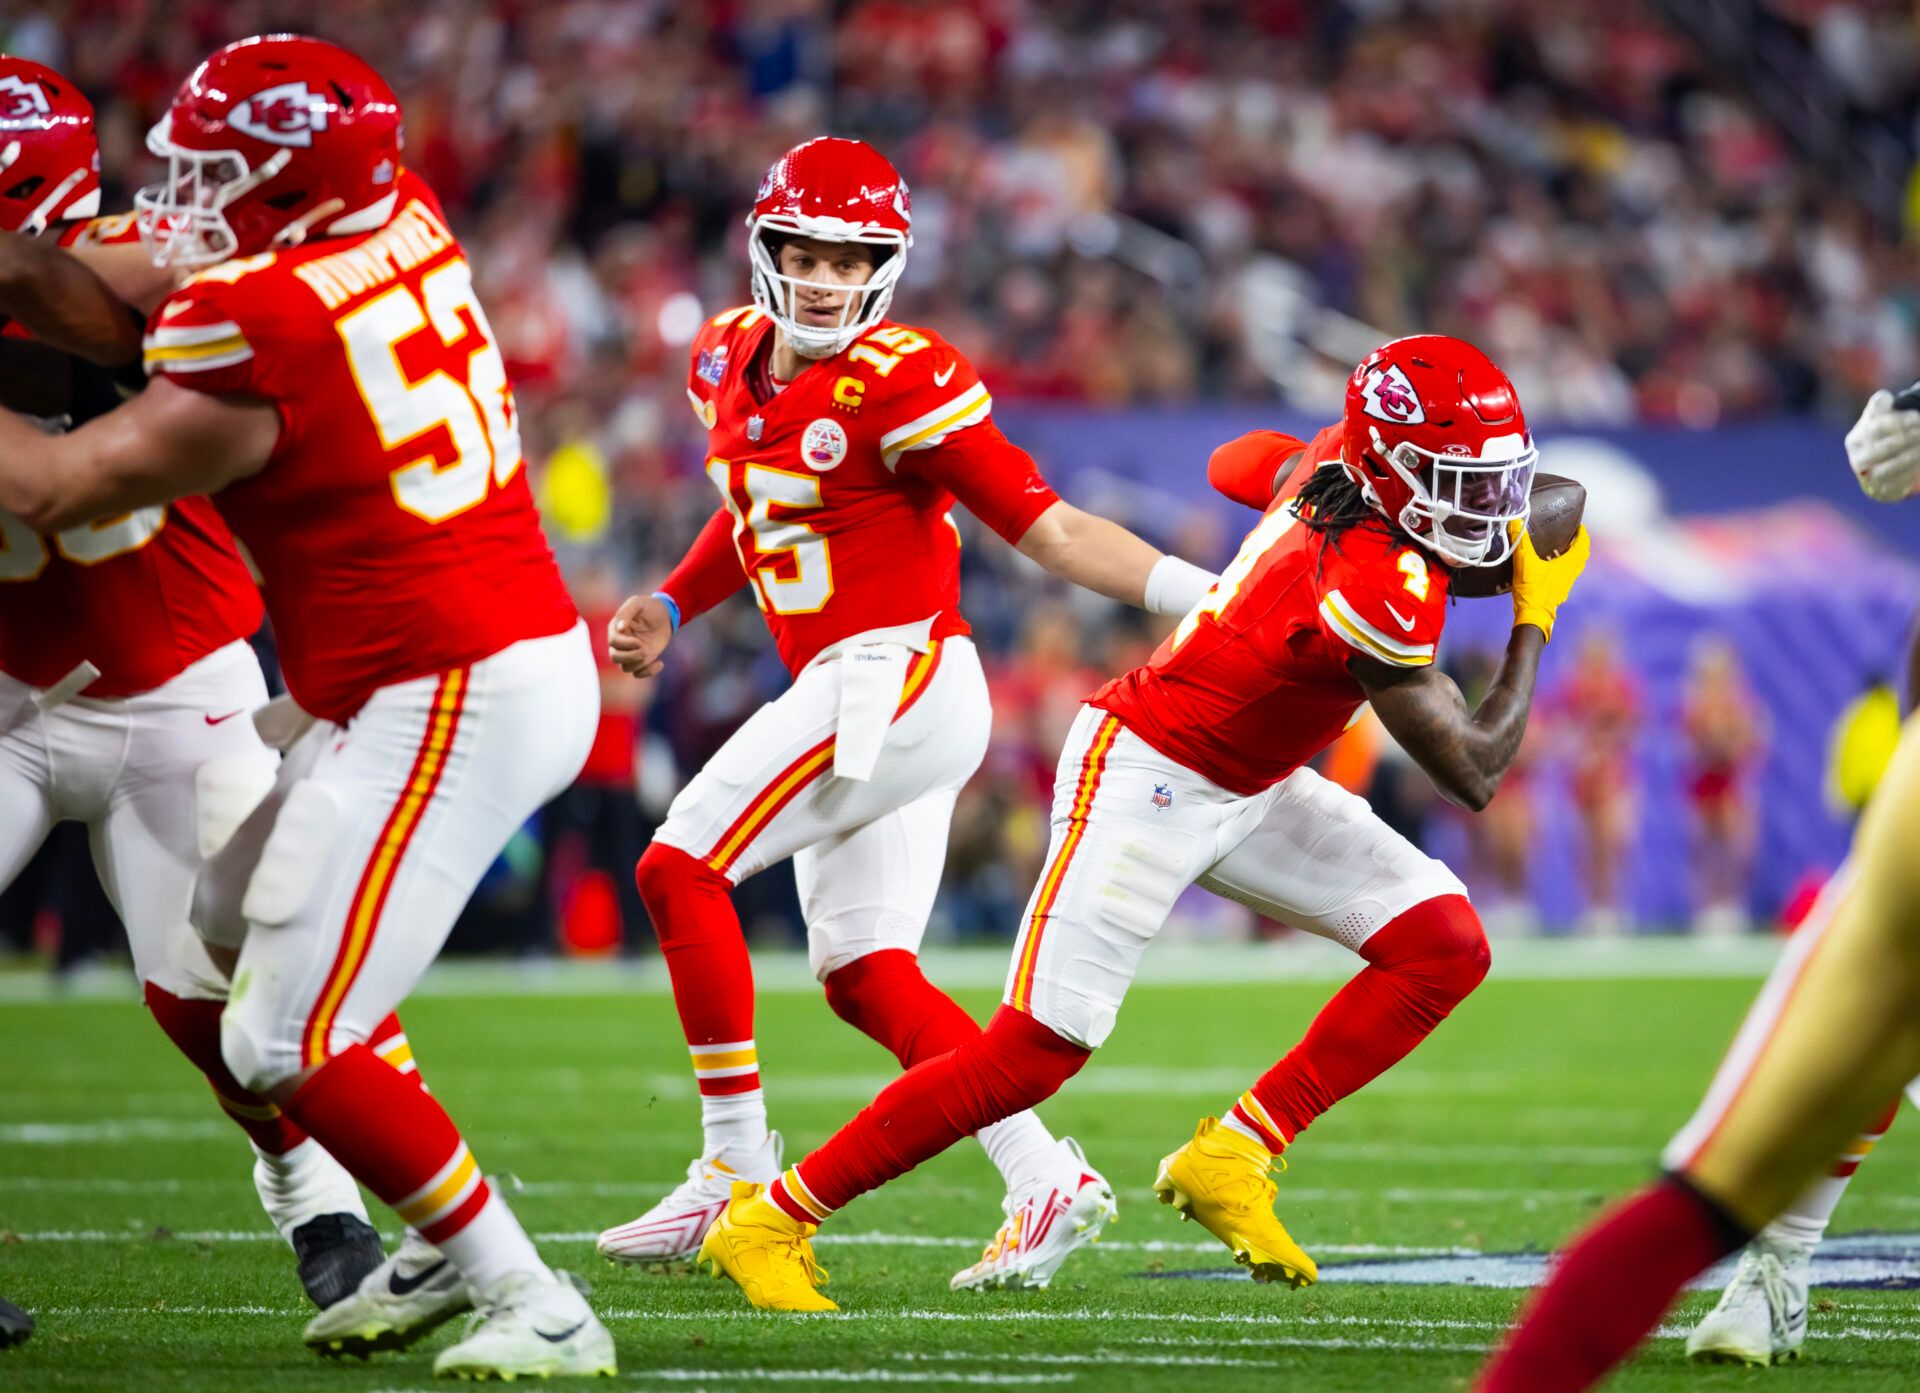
(128, 1223)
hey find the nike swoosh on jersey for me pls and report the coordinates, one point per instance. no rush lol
(1399, 618)
(216, 720)
(940, 379)
(407, 1286)
(564, 1334)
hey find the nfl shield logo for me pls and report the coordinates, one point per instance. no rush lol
(756, 427)
(1162, 797)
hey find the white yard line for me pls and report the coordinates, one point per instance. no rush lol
(850, 1240)
(1170, 964)
(1278, 1320)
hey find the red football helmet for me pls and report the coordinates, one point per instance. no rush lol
(270, 141)
(830, 190)
(1436, 441)
(49, 159)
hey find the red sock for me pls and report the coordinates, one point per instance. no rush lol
(1419, 967)
(691, 906)
(389, 1041)
(1610, 1288)
(194, 1027)
(885, 995)
(395, 1139)
(1015, 1064)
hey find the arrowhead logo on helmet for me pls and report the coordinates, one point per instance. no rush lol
(285, 115)
(49, 159)
(1437, 443)
(22, 101)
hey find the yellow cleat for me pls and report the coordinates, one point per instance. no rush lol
(766, 1253)
(1219, 1179)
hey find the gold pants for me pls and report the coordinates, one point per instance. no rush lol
(1835, 1032)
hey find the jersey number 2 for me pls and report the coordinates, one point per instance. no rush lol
(477, 413)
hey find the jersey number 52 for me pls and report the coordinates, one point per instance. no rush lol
(477, 412)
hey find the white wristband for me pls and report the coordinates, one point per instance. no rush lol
(1175, 586)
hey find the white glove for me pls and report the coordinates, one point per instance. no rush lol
(1884, 449)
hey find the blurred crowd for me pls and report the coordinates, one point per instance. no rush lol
(1106, 193)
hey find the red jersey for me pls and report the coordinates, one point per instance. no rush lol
(1254, 682)
(142, 596)
(392, 526)
(839, 484)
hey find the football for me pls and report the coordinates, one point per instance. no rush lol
(1556, 505)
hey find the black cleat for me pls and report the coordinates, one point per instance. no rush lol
(336, 1252)
(15, 1325)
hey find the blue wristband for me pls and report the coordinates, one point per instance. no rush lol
(673, 607)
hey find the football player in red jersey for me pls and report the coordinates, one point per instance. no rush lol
(325, 369)
(1191, 769)
(838, 440)
(126, 682)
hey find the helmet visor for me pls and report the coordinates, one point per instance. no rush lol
(1470, 500)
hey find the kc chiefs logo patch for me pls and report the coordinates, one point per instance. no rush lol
(1390, 397)
(824, 445)
(285, 115)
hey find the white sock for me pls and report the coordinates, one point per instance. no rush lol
(491, 1246)
(1019, 1146)
(1234, 1124)
(303, 1184)
(1805, 1220)
(734, 1120)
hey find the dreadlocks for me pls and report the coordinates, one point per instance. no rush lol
(1330, 503)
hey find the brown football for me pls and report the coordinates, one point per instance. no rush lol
(1555, 507)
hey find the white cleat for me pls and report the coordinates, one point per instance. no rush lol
(672, 1230)
(531, 1325)
(1762, 1315)
(407, 1297)
(1068, 1206)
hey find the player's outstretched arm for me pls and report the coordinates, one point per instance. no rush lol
(62, 302)
(1467, 753)
(1103, 556)
(166, 443)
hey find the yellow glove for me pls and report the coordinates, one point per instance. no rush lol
(1541, 586)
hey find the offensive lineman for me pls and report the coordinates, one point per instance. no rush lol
(1191, 769)
(327, 371)
(151, 741)
(1834, 1034)
(838, 440)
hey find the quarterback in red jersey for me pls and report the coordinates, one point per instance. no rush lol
(325, 369)
(838, 441)
(126, 682)
(1191, 769)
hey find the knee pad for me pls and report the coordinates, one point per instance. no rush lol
(296, 852)
(225, 793)
(259, 1055)
(840, 943)
(187, 970)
